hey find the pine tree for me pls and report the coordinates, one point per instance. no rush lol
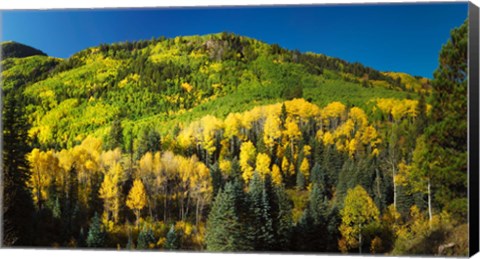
(96, 235)
(217, 180)
(130, 245)
(115, 136)
(57, 212)
(262, 233)
(145, 238)
(17, 207)
(300, 181)
(224, 230)
(446, 134)
(173, 240)
(283, 222)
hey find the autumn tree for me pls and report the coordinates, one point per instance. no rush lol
(137, 198)
(358, 212)
(110, 191)
(247, 160)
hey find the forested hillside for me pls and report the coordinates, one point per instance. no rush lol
(224, 143)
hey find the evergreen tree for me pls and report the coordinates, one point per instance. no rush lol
(217, 180)
(312, 231)
(173, 240)
(421, 120)
(145, 238)
(57, 212)
(262, 233)
(130, 244)
(115, 136)
(300, 181)
(224, 230)
(149, 141)
(283, 222)
(96, 235)
(17, 207)
(446, 134)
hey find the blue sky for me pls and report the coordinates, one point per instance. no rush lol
(387, 37)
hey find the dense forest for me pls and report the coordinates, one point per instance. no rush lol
(224, 143)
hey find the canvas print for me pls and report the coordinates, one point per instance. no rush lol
(337, 129)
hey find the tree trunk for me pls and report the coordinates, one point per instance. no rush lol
(429, 203)
(137, 214)
(360, 241)
(196, 212)
(165, 208)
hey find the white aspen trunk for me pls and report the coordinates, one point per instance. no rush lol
(196, 212)
(360, 240)
(394, 187)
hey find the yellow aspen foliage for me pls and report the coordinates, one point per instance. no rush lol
(276, 175)
(109, 192)
(398, 109)
(280, 151)
(359, 211)
(187, 87)
(137, 198)
(370, 136)
(44, 166)
(271, 132)
(210, 125)
(145, 165)
(263, 165)
(291, 169)
(247, 160)
(301, 108)
(285, 165)
(305, 168)
(307, 150)
(225, 167)
(352, 147)
(358, 116)
(401, 177)
(201, 188)
(319, 135)
(333, 110)
(292, 131)
(110, 158)
(232, 126)
(328, 138)
(186, 137)
(65, 159)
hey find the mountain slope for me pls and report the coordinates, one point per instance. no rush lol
(11, 49)
(163, 83)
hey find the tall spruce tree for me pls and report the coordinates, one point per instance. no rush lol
(173, 239)
(145, 238)
(115, 136)
(261, 224)
(96, 234)
(446, 134)
(17, 207)
(224, 229)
